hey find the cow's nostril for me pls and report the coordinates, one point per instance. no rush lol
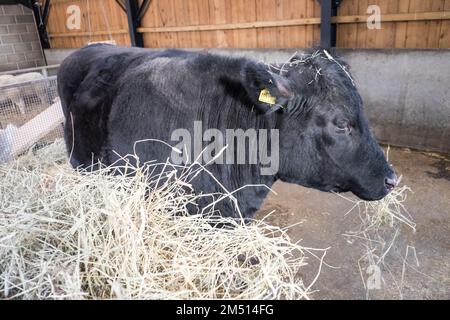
(391, 181)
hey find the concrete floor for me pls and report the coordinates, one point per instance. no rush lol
(428, 175)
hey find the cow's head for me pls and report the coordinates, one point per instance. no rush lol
(325, 140)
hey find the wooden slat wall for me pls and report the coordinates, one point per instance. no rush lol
(171, 13)
(232, 14)
(411, 34)
(444, 41)
(103, 16)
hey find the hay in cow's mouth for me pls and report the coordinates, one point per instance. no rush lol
(70, 235)
(380, 226)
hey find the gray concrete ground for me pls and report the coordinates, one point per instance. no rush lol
(428, 175)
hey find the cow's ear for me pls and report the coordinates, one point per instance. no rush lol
(268, 91)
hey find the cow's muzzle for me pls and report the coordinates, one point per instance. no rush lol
(391, 181)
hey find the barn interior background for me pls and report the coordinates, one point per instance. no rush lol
(401, 67)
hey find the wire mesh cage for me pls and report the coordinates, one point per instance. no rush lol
(22, 102)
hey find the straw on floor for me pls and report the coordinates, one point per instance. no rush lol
(69, 235)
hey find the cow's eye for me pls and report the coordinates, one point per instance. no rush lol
(343, 126)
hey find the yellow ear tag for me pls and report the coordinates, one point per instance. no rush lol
(266, 97)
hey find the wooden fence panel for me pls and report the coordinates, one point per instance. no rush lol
(398, 34)
(255, 24)
(219, 13)
(402, 27)
(166, 11)
(220, 16)
(244, 11)
(100, 20)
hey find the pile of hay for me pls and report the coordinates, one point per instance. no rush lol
(70, 235)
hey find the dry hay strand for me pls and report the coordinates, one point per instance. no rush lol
(380, 226)
(66, 234)
(388, 211)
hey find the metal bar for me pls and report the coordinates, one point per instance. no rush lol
(40, 69)
(325, 24)
(42, 30)
(121, 5)
(136, 38)
(334, 9)
(46, 12)
(327, 28)
(143, 10)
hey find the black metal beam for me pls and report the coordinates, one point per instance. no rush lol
(143, 10)
(136, 38)
(327, 29)
(46, 11)
(334, 10)
(40, 22)
(121, 5)
(325, 24)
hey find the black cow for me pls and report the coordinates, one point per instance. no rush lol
(113, 97)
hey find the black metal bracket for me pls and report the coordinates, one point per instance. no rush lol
(46, 11)
(41, 17)
(121, 4)
(135, 13)
(143, 9)
(328, 29)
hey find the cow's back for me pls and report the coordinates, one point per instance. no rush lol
(87, 81)
(88, 84)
